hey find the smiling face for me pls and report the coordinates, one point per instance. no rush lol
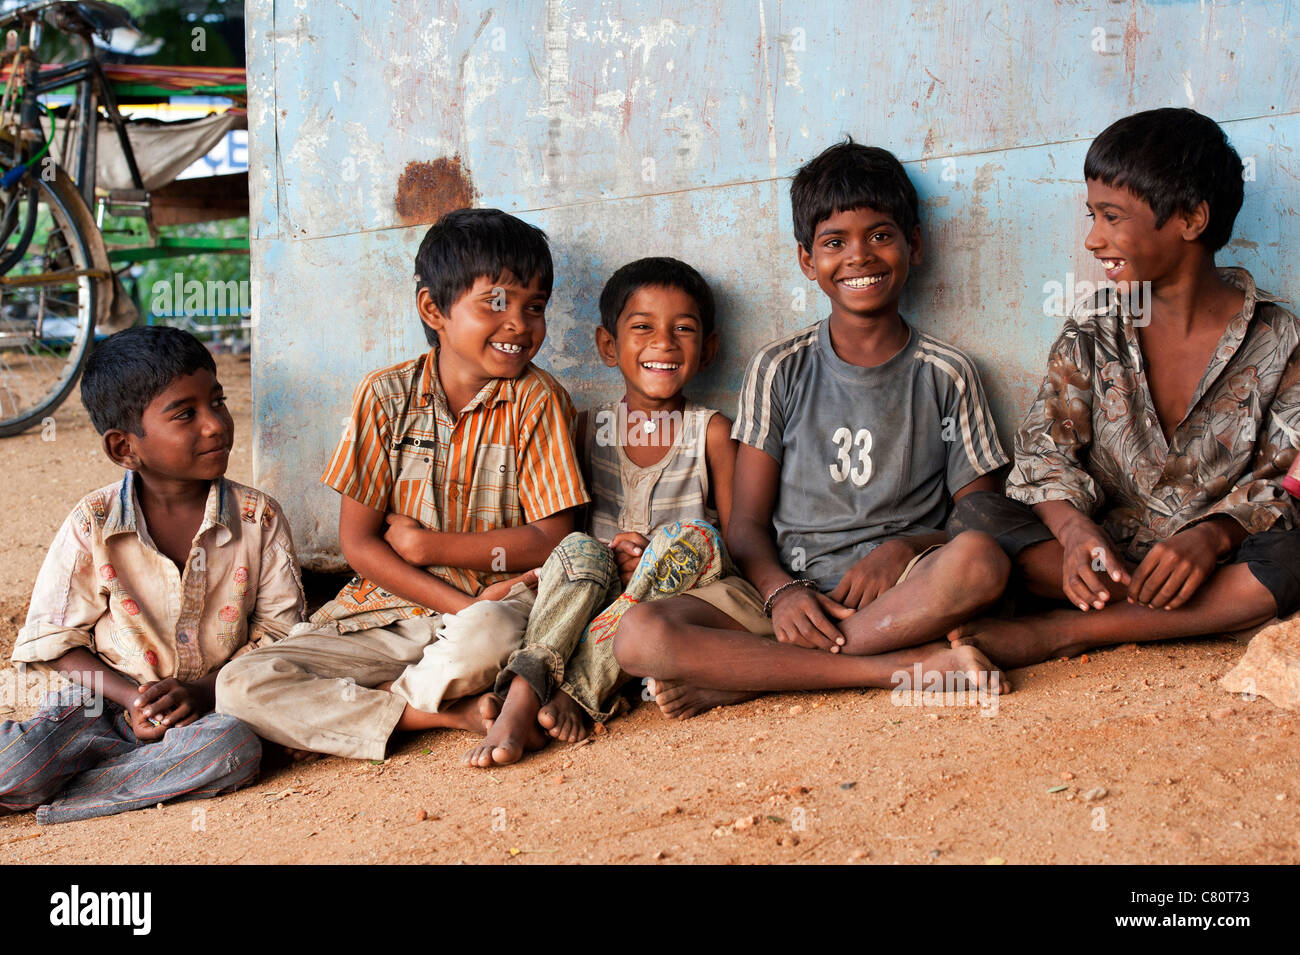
(188, 432)
(1125, 240)
(860, 259)
(492, 331)
(660, 344)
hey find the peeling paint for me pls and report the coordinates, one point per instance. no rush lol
(426, 190)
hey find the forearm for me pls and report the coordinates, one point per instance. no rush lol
(373, 559)
(754, 551)
(1064, 519)
(81, 665)
(1222, 533)
(503, 548)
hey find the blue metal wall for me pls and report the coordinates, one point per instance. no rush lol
(628, 129)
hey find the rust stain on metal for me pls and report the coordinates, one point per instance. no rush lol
(426, 190)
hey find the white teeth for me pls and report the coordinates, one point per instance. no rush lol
(865, 281)
(660, 365)
(1111, 263)
(507, 347)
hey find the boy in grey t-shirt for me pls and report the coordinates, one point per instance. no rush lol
(857, 435)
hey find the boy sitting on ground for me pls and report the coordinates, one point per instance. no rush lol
(456, 473)
(844, 476)
(659, 467)
(1147, 488)
(150, 586)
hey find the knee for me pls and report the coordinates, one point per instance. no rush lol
(643, 639)
(233, 684)
(579, 557)
(980, 564)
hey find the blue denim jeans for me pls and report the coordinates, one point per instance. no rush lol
(74, 760)
(565, 648)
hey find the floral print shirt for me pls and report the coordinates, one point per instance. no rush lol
(1092, 436)
(107, 588)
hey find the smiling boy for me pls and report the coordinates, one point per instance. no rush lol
(151, 585)
(457, 475)
(1147, 485)
(855, 435)
(660, 471)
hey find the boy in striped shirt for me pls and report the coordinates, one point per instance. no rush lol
(458, 474)
(857, 434)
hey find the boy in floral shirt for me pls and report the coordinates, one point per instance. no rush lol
(1147, 487)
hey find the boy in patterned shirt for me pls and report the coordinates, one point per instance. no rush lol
(856, 434)
(457, 474)
(1147, 489)
(150, 587)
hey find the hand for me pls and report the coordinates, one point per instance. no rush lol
(874, 574)
(1175, 568)
(501, 588)
(162, 705)
(1089, 558)
(409, 538)
(628, 546)
(804, 617)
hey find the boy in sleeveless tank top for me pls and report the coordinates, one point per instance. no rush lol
(659, 467)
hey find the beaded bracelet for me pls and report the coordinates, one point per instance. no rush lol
(798, 582)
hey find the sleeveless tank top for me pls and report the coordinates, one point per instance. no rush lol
(626, 497)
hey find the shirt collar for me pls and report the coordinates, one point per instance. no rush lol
(121, 517)
(431, 393)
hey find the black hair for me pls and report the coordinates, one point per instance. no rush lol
(467, 244)
(1172, 159)
(657, 271)
(850, 176)
(128, 370)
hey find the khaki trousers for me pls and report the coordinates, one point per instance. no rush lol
(314, 690)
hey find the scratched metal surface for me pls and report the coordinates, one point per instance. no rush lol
(627, 129)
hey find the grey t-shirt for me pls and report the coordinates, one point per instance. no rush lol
(866, 453)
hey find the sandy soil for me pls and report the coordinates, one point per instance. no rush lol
(1189, 773)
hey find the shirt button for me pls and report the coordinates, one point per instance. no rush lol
(182, 637)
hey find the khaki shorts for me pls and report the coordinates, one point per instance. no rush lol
(737, 598)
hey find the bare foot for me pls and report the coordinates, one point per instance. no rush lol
(511, 728)
(678, 700)
(1017, 642)
(971, 668)
(563, 719)
(301, 755)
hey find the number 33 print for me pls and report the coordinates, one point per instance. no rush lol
(845, 468)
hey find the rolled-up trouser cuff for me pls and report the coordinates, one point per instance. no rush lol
(1012, 524)
(592, 707)
(542, 667)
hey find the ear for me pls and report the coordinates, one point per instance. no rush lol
(606, 346)
(120, 446)
(806, 262)
(429, 312)
(916, 247)
(1193, 223)
(710, 350)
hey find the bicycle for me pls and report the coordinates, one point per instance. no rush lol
(57, 279)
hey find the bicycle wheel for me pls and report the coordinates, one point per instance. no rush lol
(48, 299)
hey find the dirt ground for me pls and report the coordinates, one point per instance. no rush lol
(1130, 755)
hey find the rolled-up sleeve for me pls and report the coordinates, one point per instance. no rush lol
(66, 602)
(1057, 431)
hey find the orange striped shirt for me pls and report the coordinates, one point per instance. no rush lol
(507, 460)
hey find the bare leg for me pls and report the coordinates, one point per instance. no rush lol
(1231, 599)
(462, 715)
(685, 639)
(953, 584)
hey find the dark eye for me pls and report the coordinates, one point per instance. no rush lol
(834, 243)
(219, 401)
(882, 236)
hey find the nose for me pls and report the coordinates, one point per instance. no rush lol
(860, 251)
(213, 422)
(1092, 242)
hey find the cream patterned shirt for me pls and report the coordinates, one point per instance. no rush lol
(107, 588)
